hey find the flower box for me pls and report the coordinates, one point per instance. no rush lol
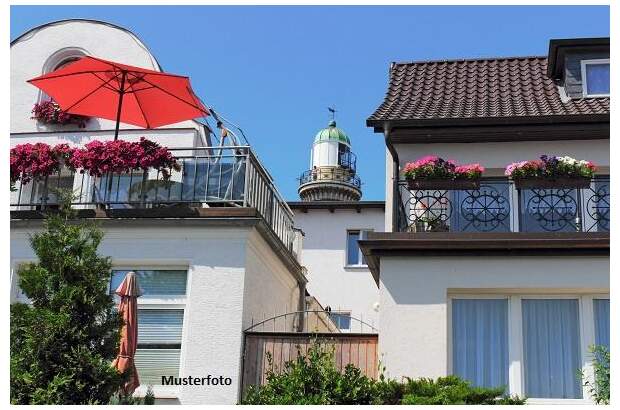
(552, 183)
(432, 172)
(446, 184)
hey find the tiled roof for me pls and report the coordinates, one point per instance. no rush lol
(474, 89)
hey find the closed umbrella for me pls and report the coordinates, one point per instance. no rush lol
(129, 291)
(94, 87)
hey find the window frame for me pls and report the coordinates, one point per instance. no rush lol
(360, 256)
(341, 313)
(584, 77)
(516, 374)
(172, 302)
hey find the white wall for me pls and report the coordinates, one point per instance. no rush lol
(225, 288)
(269, 288)
(500, 154)
(413, 338)
(35, 51)
(323, 255)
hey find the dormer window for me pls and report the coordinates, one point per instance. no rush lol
(595, 75)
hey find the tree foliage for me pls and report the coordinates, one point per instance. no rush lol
(62, 344)
(599, 388)
(314, 379)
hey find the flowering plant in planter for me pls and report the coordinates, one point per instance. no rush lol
(49, 112)
(33, 161)
(432, 172)
(551, 172)
(98, 158)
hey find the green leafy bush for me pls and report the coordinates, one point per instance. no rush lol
(63, 343)
(599, 389)
(314, 379)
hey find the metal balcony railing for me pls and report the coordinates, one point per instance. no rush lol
(209, 177)
(498, 207)
(330, 174)
(347, 160)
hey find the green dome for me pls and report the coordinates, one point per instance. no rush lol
(331, 133)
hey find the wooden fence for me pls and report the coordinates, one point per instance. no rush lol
(355, 348)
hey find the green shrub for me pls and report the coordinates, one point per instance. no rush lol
(599, 390)
(63, 343)
(314, 379)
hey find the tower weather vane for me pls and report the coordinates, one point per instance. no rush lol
(332, 111)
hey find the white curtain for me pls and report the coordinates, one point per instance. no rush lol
(480, 341)
(601, 322)
(551, 348)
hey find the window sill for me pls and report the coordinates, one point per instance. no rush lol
(356, 267)
(160, 392)
(558, 401)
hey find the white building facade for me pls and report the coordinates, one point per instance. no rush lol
(209, 264)
(499, 285)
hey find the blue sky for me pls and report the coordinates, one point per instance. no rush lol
(275, 70)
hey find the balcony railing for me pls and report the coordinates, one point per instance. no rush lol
(348, 160)
(330, 174)
(498, 207)
(209, 177)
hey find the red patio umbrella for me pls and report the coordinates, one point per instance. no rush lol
(129, 291)
(98, 88)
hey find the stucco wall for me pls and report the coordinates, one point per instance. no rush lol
(413, 337)
(218, 301)
(324, 256)
(500, 154)
(269, 289)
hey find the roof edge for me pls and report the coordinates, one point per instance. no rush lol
(85, 20)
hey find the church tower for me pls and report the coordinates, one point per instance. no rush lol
(332, 175)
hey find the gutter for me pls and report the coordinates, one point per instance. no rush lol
(387, 128)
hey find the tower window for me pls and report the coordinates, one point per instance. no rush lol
(595, 77)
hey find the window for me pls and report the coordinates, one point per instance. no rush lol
(595, 78)
(480, 341)
(354, 254)
(551, 348)
(342, 320)
(601, 322)
(160, 321)
(535, 345)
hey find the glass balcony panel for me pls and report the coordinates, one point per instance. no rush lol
(596, 203)
(483, 210)
(549, 210)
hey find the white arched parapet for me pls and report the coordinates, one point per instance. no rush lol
(43, 48)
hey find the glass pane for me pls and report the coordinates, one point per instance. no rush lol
(597, 205)
(480, 341)
(46, 192)
(597, 78)
(548, 210)
(601, 322)
(342, 320)
(353, 248)
(160, 326)
(152, 364)
(483, 210)
(551, 348)
(155, 282)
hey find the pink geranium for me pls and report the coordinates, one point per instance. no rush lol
(98, 158)
(433, 167)
(50, 112)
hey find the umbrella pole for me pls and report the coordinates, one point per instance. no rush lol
(120, 104)
(118, 123)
